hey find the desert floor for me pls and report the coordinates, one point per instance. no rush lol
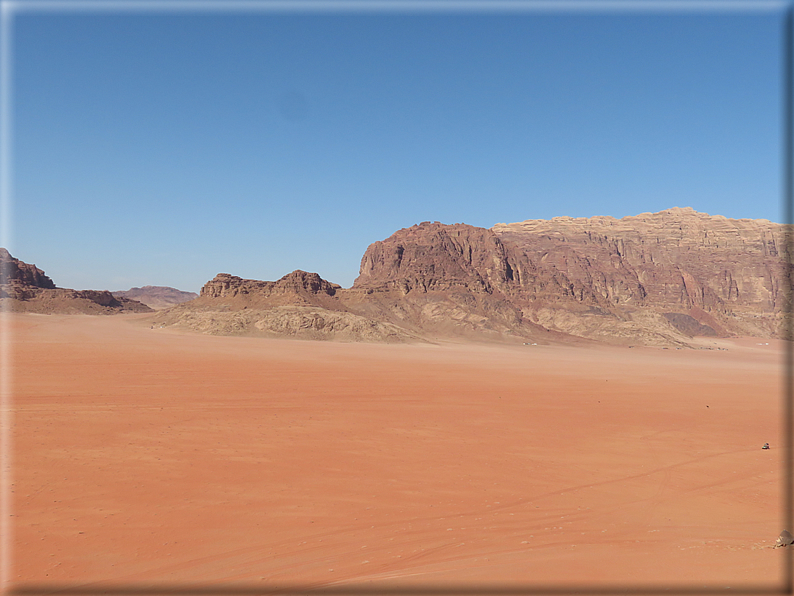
(151, 457)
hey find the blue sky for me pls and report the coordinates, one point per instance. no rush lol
(162, 148)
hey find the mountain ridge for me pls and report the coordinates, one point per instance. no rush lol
(655, 279)
(662, 279)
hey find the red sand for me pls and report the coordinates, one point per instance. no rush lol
(151, 456)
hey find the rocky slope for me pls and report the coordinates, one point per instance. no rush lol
(25, 288)
(156, 297)
(299, 305)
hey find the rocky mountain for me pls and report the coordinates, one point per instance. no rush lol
(653, 279)
(156, 297)
(25, 288)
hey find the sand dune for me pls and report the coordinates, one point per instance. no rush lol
(161, 457)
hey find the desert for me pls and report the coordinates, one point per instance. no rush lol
(163, 458)
(565, 405)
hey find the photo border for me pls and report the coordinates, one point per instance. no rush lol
(10, 8)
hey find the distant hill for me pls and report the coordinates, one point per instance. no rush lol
(157, 297)
(25, 288)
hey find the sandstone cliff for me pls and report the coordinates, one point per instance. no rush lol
(25, 288)
(447, 281)
(704, 274)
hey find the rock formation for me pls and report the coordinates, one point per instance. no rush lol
(298, 287)
(653, 279)
(705, 275)
(156, 297)
(785, 539)
(448, 280)
(25, 288)
(300, 305)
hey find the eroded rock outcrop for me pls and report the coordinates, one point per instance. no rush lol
(298, 288)
(20, 280)
(299, 305)
(297, 322)
(25, 288)
(297, 283)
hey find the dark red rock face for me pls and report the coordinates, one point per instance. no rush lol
(676, 260)
(435, 257)
(26, 288)
(21, 276)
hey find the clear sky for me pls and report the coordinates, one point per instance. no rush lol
(162, 148)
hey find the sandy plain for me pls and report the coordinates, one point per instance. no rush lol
(147, 457)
